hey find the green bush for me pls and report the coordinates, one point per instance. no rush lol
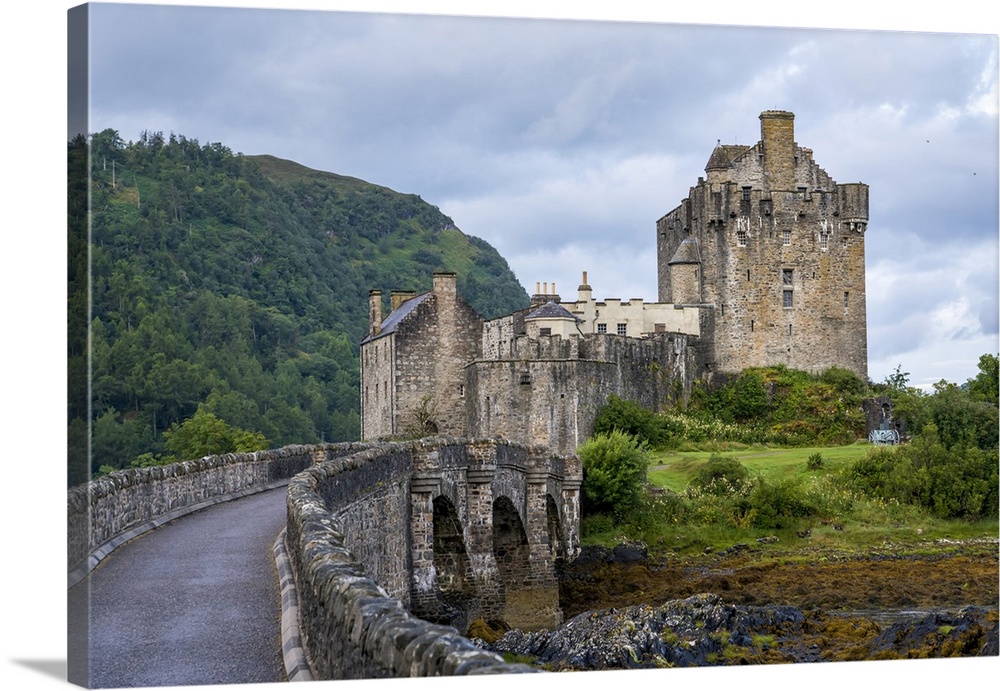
(631, 418)
(721, 475)
(614, 472)
(778, 504)
(956, 482)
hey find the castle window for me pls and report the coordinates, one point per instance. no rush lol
(847, 297)
(545, 331)
(786, 237)
(786, 277)
(602, 328)
(525, 378)
(746, 194)
(824, 241)
(741, 238)
(786, 298)
(621, 329)
(751, 326)
(461, 390)
(659, 328)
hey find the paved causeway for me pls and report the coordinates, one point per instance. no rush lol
(193, 602)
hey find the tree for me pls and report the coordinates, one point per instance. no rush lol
(985, 385)
(203, 434)
(614, 472)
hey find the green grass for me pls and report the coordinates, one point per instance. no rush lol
(674, 469)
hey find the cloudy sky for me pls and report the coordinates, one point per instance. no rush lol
(561, 142)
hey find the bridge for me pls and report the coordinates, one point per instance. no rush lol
(385, 552)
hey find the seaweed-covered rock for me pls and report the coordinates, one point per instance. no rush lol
(696, 631)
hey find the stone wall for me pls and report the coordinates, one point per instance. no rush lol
(551, 389)
(106, 511)
(354, 624)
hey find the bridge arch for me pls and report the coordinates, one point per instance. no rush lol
(557, 545)
(451, 559)
(511, 548)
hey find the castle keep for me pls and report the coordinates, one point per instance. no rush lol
(762, 264)
(776, 250)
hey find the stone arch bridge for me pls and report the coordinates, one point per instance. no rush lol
(393, 548)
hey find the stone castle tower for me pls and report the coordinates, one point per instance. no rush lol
(774, 248)
(763, 264)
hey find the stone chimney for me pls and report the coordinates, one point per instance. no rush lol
(584, 292)
(446, 282)
(398, 297)
(777, 133)
(374, 312)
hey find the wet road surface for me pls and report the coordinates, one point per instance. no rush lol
(193, 602)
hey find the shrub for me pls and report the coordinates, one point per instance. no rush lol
(614, 472)
(721, 475)
(631, 418)
(778, 504)
(815, 461)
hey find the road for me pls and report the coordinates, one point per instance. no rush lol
(193, 602)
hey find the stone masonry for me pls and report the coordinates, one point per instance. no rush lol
(775, 249)
(762, 264)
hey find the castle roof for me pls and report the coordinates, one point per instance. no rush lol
(724, 155)
(396, 317)
(687, 253)
(550, 310)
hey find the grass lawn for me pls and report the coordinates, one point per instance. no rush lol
(674, 469)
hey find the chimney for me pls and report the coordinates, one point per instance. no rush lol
(445, 284)
(584, 292)
(777, 134)
(398, 297)
(374, 312)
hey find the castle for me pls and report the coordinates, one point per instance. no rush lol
(762, 264)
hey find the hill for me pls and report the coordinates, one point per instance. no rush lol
(237, 285)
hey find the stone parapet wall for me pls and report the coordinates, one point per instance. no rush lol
(105, 511)
(351, 626)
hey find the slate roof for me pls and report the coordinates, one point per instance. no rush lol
(724, 155)
(550, 310)
(687, 253)
(395, 317)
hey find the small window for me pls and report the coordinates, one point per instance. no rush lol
(525, 378)
(847, 299)
(461, 390)
(746, 194)
(621, 329)
(741, 238)
(786, 237)
(659, 328)
(824, 241)
(786, 277)
(545, 331)
(602, 328)
(786, 298)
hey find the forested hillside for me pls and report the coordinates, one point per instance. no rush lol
(229, 294)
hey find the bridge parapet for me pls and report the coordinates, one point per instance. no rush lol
(383, 540)
(112, 509)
